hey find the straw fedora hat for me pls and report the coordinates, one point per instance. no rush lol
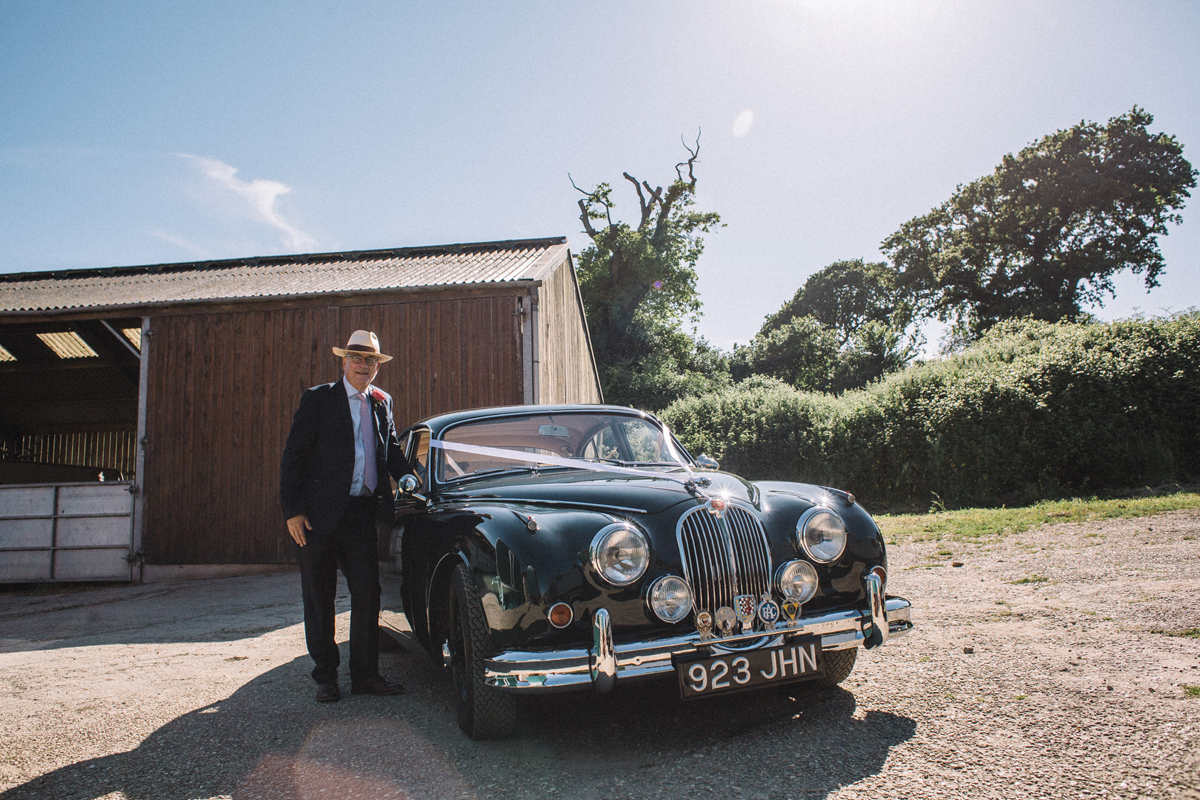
(362, 343)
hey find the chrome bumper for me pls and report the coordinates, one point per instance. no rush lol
(602, 665)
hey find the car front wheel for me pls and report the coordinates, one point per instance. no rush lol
(483, 712)
(838, 664)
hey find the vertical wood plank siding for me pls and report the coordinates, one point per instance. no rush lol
(565, 369)
(223, 388)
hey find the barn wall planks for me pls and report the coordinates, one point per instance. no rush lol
(224, 385)
(565, 370)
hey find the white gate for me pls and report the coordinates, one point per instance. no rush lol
(66, 532)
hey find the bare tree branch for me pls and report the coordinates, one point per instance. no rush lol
(585, 212)
(646, 209)
(655, 193)
(690, 163)
(586, 220)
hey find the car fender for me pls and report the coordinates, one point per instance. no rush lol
(785, 502)
(516, 571)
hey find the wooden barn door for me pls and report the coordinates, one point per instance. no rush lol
(222, 388)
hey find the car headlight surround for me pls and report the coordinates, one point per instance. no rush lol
(821, 534)
(670, 598)
(796, 581)
(620, 553)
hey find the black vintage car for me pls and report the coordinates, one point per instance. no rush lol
(554, 548)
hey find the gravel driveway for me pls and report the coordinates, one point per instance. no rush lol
(1043, 666)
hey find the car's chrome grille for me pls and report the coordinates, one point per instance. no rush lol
(723, 556)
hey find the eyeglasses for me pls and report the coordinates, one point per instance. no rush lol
(355, 359)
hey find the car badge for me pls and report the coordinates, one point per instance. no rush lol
(791, 610)
(704, 624)
(768, 611)
(746, 608)
(716, 507)
(725, 620)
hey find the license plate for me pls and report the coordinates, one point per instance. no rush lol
(731, 672)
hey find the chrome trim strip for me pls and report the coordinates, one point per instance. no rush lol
(498, 499)
(601, 666)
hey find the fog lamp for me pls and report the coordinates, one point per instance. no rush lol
(670, 598)
(797, 581)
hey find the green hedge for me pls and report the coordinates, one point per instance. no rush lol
(1033, 411)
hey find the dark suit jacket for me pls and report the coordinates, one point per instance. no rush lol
(318, 459)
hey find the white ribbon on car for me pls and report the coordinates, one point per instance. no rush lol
(555, 461)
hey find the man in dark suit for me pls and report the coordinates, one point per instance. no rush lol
(333, 481)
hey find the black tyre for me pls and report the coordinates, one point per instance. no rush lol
(838, 665)
(483, 712)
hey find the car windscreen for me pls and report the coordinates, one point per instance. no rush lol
(543, 441)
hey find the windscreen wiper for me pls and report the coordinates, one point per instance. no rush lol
(479, 473)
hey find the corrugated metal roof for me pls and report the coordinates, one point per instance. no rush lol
(282, 276)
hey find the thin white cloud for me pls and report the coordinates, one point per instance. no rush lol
(741, 125)
(256, 198)
(192, 248)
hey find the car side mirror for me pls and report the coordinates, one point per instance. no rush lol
(707, 462)
(406, 489)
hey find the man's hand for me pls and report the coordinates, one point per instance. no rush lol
(296, 527)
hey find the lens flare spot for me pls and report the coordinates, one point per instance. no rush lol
(743, 123)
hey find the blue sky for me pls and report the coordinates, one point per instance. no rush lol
(150, 132)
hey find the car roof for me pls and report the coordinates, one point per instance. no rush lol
(440, 422)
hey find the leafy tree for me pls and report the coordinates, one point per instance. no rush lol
(844, 328)
(875, 350)
(802, 353)
(639, 286)
(672, 365)
(1045, 232)
(845, 296)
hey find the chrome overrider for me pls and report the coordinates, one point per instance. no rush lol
(606, 662)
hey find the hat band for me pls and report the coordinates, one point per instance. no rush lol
(362, 348)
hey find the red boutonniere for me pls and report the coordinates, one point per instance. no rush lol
(376, 395)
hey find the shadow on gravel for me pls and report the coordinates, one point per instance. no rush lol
(213, 610)
(271, 740)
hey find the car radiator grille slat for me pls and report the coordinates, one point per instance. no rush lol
(723, 556)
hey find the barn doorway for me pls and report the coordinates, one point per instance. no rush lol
(69, 410)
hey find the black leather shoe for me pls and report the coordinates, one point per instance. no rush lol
(328, 693)
(376, 685)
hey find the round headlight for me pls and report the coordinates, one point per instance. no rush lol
(822, 534)
(670, 598)
(797, 581)
(620, 554)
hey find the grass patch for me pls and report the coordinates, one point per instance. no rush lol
(1191, 691)
(978, 524)
(1031, 579)
(1187, 633)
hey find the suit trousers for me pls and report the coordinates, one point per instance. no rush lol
(353, 547)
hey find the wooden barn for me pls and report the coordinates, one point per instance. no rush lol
(143, 410)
